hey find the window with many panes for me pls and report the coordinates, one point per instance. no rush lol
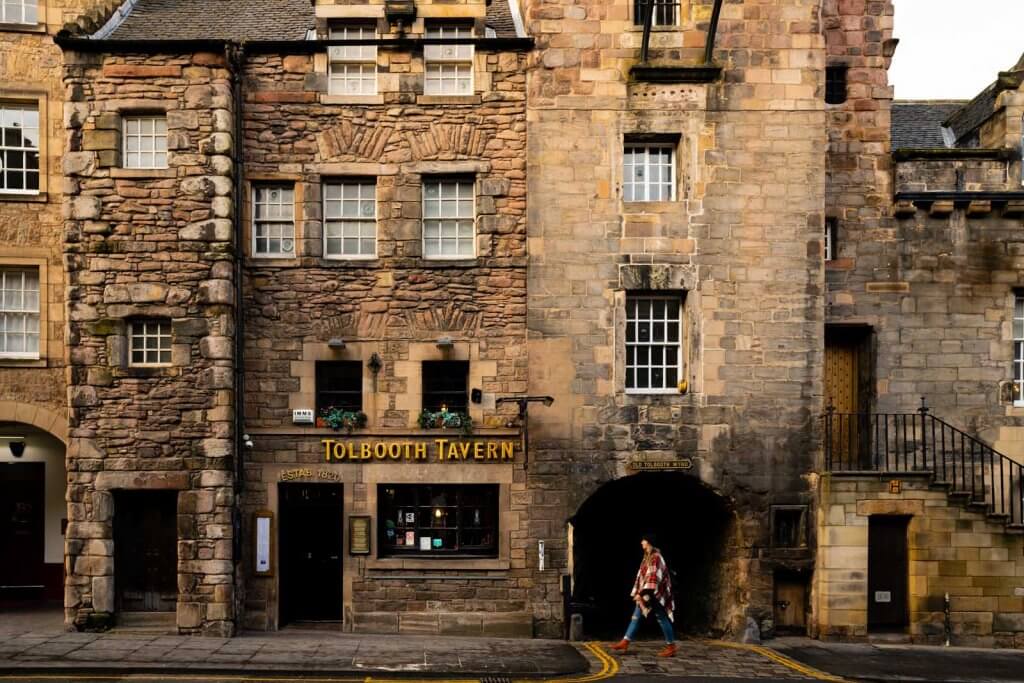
(350, 219)
(19, 312)
(149, 343)
(353, 68)
(273, 220)
(653, 344)
(437, 519)
(339, 384)
(19, 12)
(19, 148)
(445, 385)
(666, 12)
(1018, 349)
(449, 225)
(649, 172)
(448, 68)
(144, 143)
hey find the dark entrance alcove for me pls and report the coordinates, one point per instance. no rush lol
(694, 528)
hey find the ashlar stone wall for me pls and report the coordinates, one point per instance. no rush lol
(150, 244)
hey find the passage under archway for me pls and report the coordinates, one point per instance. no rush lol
(694, 528)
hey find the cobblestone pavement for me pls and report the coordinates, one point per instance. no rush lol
(702, 660)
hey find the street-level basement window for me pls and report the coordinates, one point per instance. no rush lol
(437, 519)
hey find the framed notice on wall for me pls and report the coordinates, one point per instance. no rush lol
(359, 535)
(263, 525)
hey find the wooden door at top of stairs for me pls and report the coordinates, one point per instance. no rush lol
(845, 361)
(22, 491)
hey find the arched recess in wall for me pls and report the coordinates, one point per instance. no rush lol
(47, 420)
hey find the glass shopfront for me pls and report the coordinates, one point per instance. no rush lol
(425, 520)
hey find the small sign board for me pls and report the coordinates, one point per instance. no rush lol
(660, 465)
(359, 535)
(263, 522)
(883, 596)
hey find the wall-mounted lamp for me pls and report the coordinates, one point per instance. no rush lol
(336, 343)
(16, 444)
(374, 363)
(445, 342)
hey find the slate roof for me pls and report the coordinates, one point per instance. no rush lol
(239, 20)
(918, 125)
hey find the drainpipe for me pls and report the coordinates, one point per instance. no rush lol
(235, 56)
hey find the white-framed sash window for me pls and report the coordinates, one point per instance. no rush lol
(649, 172)
(350, 219)
(448, 68)
(653, 344)
(273, 221)
(449, 218)
(352, 69)
(144, 141)
(19, 12)
(19, 313)
(149, 343)
(19, 148)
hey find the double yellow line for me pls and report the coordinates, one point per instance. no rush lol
(785, 661)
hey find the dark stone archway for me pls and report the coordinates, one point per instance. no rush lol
(695, 528)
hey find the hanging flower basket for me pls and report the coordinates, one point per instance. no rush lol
(444, 419)
(337, 419)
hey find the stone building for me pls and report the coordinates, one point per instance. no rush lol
(413, 316)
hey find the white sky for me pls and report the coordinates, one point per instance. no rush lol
(952, 49)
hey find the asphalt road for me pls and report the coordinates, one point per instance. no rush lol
(626, 678)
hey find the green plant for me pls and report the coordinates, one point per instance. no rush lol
(336, 418)
(444, 419)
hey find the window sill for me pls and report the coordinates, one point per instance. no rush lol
(428, 262)
(131, 372)
(439, 562)
(355, 261)
(22, 362)
(275, 260)
(639, 208)
(36, 198)
(448, 99)
(351, 99)
(8, 27)
(143, 173)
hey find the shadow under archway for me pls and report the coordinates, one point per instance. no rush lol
(693, 525)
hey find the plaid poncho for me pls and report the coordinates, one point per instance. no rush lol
(653, 576)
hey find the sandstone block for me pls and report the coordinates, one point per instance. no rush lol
(221, 207)
(79, 163)
(83, 396)
(101, 139)
(147, 292)
(195, 502)
(188, 120)
(217, 348)
(85, 207)
(141, 70)
(198, 97)
(222, 121)
(216, 230)
(103, 593)
(216, 291)
(190, 615)
(1008, 622)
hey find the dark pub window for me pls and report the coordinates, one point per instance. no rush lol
(445, 385)
(835, 84)
(438, 519)
(788, 527)
(339, 384)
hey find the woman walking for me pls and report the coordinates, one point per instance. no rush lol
(652, 592)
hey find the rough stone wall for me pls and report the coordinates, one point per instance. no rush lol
(951, 550)
(396, 305)
(150, 244)
(743, 242)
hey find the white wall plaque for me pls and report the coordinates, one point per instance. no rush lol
(883, 596)
(264, 543)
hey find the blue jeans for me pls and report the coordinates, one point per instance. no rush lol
(663, 621)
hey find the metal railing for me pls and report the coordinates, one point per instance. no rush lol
(907, 443)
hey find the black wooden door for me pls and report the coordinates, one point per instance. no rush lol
(888, 569)
(146, 550)
(21, 530)
(311, 552)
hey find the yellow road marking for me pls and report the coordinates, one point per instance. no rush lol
(783, 660)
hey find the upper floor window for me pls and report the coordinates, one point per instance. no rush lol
(448, 68)
(19, 12)
(273, 221)
(350, 219)
(831, 225)
(339, 384)
(353, 68)
(149, 343)
(19, 148)
(666, 12)
(653, 342)
(835, 84)
(449, 218)
(649, 172)
(145, 141)
(1018, 350)
(19, 313)
(445, 385)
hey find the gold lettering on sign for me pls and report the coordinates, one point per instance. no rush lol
(307, 473)
(444, 450)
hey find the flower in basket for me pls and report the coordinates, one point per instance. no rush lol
(338, 418)
(445, 419)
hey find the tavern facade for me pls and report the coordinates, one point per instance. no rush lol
(413, 316)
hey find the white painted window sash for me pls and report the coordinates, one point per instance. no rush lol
(273, 221)
(19, 313)
(350, 219)
(666, 347)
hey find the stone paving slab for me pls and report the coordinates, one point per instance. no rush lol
(702, 660)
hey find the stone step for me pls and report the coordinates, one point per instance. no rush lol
(161, 623)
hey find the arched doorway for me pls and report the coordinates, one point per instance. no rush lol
(695, 529)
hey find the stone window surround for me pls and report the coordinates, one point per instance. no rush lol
(119, 346)
(142, 116)
(254, 180)
(681, 149)
(659, 279)
(22, 257)
(141, 108)
(409, 369)
(30, 96)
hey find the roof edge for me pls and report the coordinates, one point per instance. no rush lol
(115, 20)
(517, 18)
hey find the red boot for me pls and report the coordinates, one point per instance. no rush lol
(621, 646)
(669, 651)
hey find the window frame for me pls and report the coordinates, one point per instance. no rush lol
(318, 376)
(676, 14)
(360, 182)
(830, 244)
(23, 5)
(132, 336)
(464, 407)
(1017, 331)
(491, 493)
(680, 365)
(449, 55)
(440, 180)
(26, 314)
(673, 168)
(256, 221)
(339, 55)
(10, 104)
(126, 118)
